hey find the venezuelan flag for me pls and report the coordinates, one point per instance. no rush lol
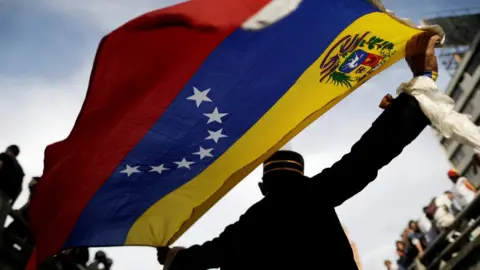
(184, 102)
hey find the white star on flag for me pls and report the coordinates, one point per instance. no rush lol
(204, 152)
(200, 96)
(215, 116)
(130, 170)
(184, 163)
(160, 168)
(215, 135)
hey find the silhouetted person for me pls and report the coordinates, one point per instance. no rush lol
(11, 173)
(19, 227)
(71, 258)
(297, 212)
(101, 262)
(277, 231)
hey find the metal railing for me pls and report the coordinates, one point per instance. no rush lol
(446, 253)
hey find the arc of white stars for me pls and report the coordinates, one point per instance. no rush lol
(215, 116)
(160, 168)
(215, 135)
(200, 96)
(129, 170)
(204, 152)
(184, 163)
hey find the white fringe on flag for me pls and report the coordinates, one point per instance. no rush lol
(271, 13)
(279, 9)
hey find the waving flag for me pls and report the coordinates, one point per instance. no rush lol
(184, 102)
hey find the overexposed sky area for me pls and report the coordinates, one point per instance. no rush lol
(46, 52)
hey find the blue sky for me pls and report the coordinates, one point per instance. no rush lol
(46, 51)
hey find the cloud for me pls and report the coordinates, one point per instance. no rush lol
(428, 8)
(105, 15)
(49, 49)
(38, 42)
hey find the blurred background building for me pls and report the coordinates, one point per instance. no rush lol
(461, 58)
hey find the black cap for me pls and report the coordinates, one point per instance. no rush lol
(284, 160)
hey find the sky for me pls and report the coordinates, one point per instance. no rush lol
(46, 53)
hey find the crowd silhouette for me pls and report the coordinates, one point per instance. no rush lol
(443, 213)
(16, 240)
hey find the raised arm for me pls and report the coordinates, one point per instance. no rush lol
(398, 125)
(393, 130)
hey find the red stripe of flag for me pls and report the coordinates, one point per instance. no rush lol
(138, 71)
(32, 262)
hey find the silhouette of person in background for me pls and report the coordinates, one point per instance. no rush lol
(11, 173)
(19, 226)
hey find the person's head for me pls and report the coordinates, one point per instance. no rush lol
(13, 150)
(413, 225)
(388, 263)
(400, 244)
(100, 256)
(449, 194)
(453, 175)
(33, 183)
(282, 170)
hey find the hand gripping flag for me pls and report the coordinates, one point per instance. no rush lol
(184, 102)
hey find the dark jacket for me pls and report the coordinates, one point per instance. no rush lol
(11, 177)
(300, 229)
